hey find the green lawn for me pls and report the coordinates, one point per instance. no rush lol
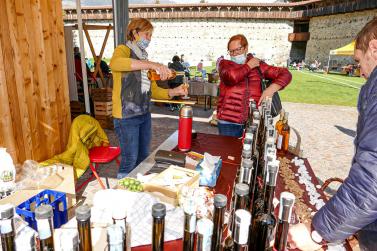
(318, 88)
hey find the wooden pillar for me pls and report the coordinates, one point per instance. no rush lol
(34, 111)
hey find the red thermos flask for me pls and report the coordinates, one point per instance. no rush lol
(185, 128)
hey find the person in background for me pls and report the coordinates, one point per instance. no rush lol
(78, 70)
(201, 69)
(353, 209)
(186, 65)
(241, 80)
(132, 91)
(177, 81)
(104, 68)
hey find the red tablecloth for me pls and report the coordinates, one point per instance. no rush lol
(225, 146)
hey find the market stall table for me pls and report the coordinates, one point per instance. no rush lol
(206, 89)
(229, 148)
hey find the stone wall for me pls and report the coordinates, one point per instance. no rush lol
(334, 31)
(207, 39)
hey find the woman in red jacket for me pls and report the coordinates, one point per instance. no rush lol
(240, 80)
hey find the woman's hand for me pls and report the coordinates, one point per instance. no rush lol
(299, 237)
(178, 91)
(252, 63)
(162, 70)
(269, 92)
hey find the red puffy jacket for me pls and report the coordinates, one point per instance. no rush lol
(239, 83)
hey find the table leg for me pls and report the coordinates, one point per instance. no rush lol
(205, 102)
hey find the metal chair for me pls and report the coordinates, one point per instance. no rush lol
(100, 155)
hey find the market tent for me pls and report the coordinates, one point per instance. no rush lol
(346, 50)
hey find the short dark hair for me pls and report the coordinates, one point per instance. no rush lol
(175, 59)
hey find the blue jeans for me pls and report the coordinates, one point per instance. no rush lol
(230, 129)
(134, 135)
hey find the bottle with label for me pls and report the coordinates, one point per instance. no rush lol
(249, 137)
(241, 201)
(204, 236)
(189, 209)
(115, 238)
(26, 240)
(83, 215)
(287, 201)
(158, 214)
(241, 230)
(44, 216)
(7, 229)
(283, 137)
(7, 174)
(69, 240)
(246, 172)
(153, 75)
(279, 123)
(120, 218)
(263, 224)
(220, 202)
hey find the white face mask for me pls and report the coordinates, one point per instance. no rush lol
(239, 59)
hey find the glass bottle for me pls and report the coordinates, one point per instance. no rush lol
(249, 137)
(246, 152)
(263, 224)
(241, 202)
(7, 229)
(287, 201)
(26, 240)
(283, 138)
(204, 236)
(241, 230)
(220, 202)
(83, 215)
(279, 123)
(158, 214)
(69, 240)
(189, 209)
(153, 75)
(246, 172)
(115, 238)
(120, 218)
(44, 216)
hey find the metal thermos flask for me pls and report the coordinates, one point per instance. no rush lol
(185, 128)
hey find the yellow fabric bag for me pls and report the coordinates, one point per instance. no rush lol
(85, 133)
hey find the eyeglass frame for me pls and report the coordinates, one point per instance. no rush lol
(239, 49)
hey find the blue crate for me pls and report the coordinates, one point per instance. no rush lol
(209, 181)
(56, 199)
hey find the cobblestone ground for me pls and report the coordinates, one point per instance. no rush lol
(326, 132)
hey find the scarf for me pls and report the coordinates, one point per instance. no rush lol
(142, 55)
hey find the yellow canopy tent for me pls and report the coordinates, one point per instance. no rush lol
(346, 50)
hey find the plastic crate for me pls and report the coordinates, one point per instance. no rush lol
(56, 199)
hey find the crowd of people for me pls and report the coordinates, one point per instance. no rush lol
(351, 210)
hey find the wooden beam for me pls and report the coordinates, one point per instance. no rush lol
(94, 27)
(97, 69)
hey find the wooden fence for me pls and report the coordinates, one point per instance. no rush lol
(34, 100)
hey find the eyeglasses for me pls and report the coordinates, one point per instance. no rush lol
(236, 51)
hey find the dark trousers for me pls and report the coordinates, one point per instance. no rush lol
(230, 129)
